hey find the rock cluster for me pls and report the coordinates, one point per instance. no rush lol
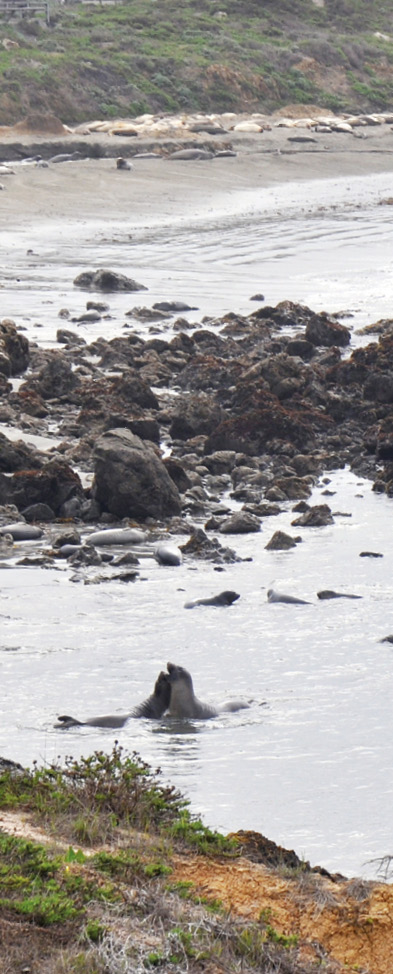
(264, 404)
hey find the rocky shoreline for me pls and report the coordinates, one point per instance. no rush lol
(258, 406)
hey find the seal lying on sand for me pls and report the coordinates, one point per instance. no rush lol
(154, 707)
(224, 598)
(184, 703)
(328, 593)
(273, 596)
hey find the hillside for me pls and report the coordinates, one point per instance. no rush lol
(104, 871)
(125, 59)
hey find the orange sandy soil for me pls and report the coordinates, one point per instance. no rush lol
(347, 922)
(358, 934)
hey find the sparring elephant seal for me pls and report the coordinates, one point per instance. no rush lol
(184, 703)
(224, 598)
(153, 708)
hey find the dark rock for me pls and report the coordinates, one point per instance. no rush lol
(208, 549)
(177, 474)
(38, 512)
(106, 280)
(10, 767)
(195, 415)
(256, 848)
(86, 555)
(316, 516)
(379, 387)
(174, 306)
(31, 402)
(241, 523)
(321, 330)
(222, 461)
(14, 348)
(299, 346)
(294, 487)
(67, 537)
(146, 428)
(57, 378)
(54, 484)
(17, 455)
(70, 338)
(131, 480)
(281, 542)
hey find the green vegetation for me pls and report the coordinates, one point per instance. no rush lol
(122, 59)
(91, 799)
(112, 909)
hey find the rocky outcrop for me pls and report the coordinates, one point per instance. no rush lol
(106, 280)
(55, 485)
(131, 480)
(14, 349)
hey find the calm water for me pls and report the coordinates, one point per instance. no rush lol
(309, 764)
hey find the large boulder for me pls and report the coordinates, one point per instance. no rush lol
(106, 280)
(55, 485)
(17, 455)
(14, 349)
(321, 330)
(131, 480)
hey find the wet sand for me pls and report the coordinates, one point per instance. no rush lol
(161, 189)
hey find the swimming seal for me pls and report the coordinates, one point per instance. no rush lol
(153, 708)
(224, 598)
(273, 596)
(185, 704)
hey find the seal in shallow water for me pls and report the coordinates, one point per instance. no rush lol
(224, 598)
(154, 707)
(185, 704)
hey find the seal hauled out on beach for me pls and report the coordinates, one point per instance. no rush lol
(184, 703)
(122, 163)
(153, 708)
(224, 598)
(273, 596)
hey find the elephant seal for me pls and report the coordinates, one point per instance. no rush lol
(184, 703)
(21, 531)
(153, 708)
(117, 536)
(122, 163)
(328, 593)
(224, 598)
(273, 596)
(166, 554)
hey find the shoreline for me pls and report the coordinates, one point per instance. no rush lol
(93, 188)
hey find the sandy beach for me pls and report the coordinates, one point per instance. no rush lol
(158, 189)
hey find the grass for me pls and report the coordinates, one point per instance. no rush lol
(91, 799)
(115, 908)
(93, 56)
(71, 911)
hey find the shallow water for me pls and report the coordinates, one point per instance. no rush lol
(308, 764)
(326, 244)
